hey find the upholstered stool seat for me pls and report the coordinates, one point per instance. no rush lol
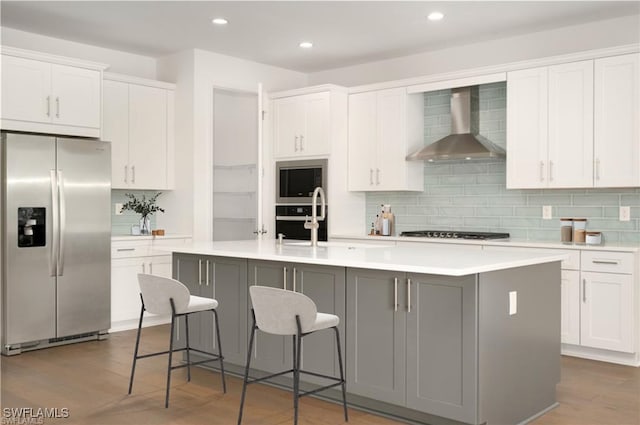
(281, 312)
(161, 295)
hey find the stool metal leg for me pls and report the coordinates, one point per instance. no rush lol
(296, 371)
(246, 369)
(186, 329)
(135, 352)
(224, 383)
(173, 323)
(344, 389)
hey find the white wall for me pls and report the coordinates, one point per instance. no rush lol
(595, 35)
(178, 216)
(120, 62)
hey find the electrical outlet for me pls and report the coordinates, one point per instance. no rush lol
(547, 212)
(625, 213)
(118, 209)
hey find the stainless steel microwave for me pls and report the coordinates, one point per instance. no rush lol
(296, 180)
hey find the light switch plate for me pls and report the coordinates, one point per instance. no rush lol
(547, 212)
(625, 213)
(118, 209)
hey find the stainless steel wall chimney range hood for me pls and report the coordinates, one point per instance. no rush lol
(464, 142)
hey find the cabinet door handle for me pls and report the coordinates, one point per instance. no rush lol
(408, 295)
(550, 171)
(285, 278)
(597, 169)
(294, 279)
(133, 174)
(301, 142)
(143, 269)
(295, 144)
(584, 290)
(371, 176)
(612, 262)
(126, 173)
(206, 273)
(541, 171)
(199, 272)
(150, 268)
(377, 176)
(395, 294)
(48, 100)
(57, 107)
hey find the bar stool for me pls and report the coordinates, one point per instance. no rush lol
(281, 312)
(161, 295)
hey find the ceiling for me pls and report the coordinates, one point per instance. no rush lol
(343, 33)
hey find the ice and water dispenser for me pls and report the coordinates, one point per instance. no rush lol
(31, 227)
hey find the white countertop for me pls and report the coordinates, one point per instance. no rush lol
(429, 259)
(115, 238)
(621, 247)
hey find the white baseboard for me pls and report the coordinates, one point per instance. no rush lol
(627, 359)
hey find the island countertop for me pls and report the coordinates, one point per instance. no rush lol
(440, 260)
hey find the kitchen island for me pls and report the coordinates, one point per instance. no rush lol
(432, 334)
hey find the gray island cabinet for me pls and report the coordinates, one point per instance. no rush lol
(473, 339)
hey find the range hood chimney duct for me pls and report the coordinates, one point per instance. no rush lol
(464, 142)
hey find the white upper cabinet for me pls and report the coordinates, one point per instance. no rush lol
(384, 127)
(47, 94)
(575, 125)
(550, 126)
(527, 128)
(301, 125)
(617, 121)
(570, 125)
(138, 121)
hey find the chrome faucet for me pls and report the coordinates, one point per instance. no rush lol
(313, 224)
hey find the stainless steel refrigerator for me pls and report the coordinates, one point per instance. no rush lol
(56, 240)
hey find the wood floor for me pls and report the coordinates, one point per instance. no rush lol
(91, 379)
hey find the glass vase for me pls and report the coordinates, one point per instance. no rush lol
(145, 225)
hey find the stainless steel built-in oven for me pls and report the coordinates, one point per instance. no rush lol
(290, 222)
(296, 180)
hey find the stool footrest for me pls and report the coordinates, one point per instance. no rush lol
(264, 378)
(317, 390)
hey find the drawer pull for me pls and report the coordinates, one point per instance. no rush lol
(612, 262)
(125, 249)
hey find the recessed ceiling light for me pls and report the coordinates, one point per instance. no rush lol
(219, 21)
(306, 44)
(435, 16)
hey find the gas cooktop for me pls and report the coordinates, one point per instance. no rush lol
(452, 234)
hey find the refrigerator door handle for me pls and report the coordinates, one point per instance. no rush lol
(63, 219)
(53, 259)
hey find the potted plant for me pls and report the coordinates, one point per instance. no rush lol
(145, 207)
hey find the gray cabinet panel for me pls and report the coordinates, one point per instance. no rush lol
(269, 353)
(442, 346)
(376, 340)
(225, 280)
(230, 289)
(326, 287)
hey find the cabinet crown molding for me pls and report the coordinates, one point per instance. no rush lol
(308, 90)
(138, 80)
(46, 57)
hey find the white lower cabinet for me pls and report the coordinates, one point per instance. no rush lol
(570, 309)
(128, 258)
(607, 311)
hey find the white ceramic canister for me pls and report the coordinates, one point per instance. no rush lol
(594, 238)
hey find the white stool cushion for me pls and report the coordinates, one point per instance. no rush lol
(199, 304)
(325, 321)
